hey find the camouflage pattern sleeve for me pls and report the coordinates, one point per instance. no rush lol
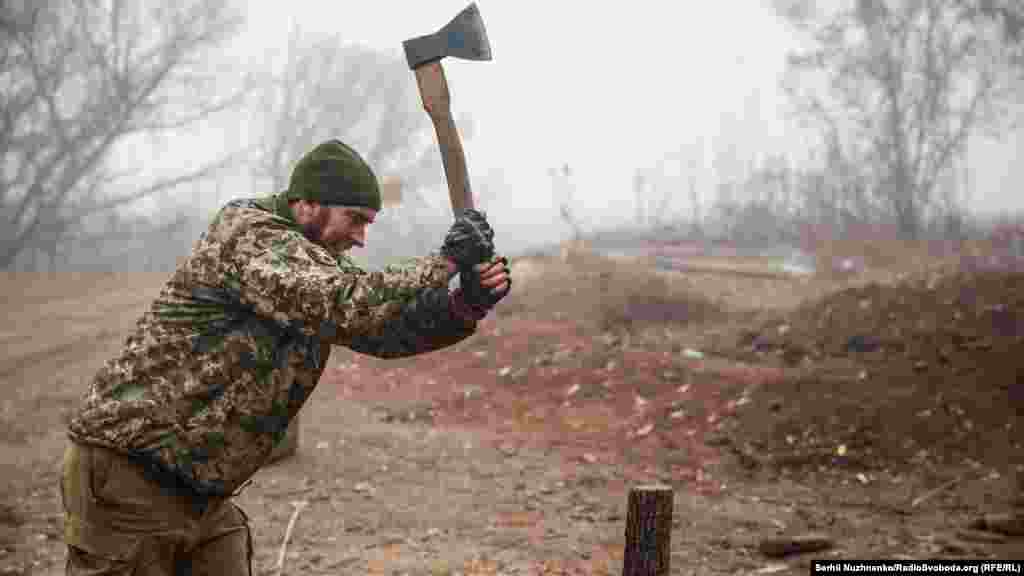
(398, 311)
(425, 324)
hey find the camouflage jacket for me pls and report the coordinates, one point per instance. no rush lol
(238, 338)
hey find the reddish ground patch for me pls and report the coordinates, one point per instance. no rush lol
(549, 385)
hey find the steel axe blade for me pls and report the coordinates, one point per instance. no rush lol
(464, 37)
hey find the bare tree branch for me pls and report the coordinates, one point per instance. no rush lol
(908, 82)
(329, 89)
(82, 75)
(161, 185)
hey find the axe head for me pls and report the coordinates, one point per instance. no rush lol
(464, 37)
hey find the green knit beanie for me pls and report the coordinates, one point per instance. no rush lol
(333, 174)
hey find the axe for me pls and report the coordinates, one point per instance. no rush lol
(464, 37)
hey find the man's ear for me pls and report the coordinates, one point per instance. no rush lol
(305, 209)
(316, 209)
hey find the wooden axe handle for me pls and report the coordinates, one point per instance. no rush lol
(437, 102)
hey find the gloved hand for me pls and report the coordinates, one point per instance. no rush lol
(469, 241)
(486, 284)
(481, 288)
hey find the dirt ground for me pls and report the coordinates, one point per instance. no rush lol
(872, 408)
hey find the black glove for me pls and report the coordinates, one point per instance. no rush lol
(478, 296)
(469, 241)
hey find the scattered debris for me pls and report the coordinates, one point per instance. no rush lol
(780, 546)
(508, 449)
(363, 488)
(298, 506)
(799, 263)
(772, 569)
(934, 491)
(1006, 524)
(848, 265)
(982, 536)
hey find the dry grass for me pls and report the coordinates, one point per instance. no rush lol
(997, 245)
(879, 253)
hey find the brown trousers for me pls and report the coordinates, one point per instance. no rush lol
(119, 521)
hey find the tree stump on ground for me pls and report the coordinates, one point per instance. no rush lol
(648, 531)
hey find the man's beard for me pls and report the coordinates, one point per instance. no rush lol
(312, 232)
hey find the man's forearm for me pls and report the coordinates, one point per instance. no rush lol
(429, 321)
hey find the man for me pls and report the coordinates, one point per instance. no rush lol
(236, 341)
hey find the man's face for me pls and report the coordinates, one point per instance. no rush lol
(337, 228)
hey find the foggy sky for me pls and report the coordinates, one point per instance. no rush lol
(604, 87)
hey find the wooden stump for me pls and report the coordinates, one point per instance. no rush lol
(648, 531)
(289, 446)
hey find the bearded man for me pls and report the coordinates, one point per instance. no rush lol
(205, 387)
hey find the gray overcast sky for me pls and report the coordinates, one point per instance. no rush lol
(606, 87)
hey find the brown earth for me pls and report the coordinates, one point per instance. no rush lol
(872, 408)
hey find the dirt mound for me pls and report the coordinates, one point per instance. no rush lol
(927, 371)
(606, 294)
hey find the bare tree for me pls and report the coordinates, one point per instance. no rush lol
(564, 196)
(640, 197)
(329, 89)
(653, 191)
(903, 84)
(81, 77)
(655, 187)
(694, 166)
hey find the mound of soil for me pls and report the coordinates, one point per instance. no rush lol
(928, 371)
(602, 294)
